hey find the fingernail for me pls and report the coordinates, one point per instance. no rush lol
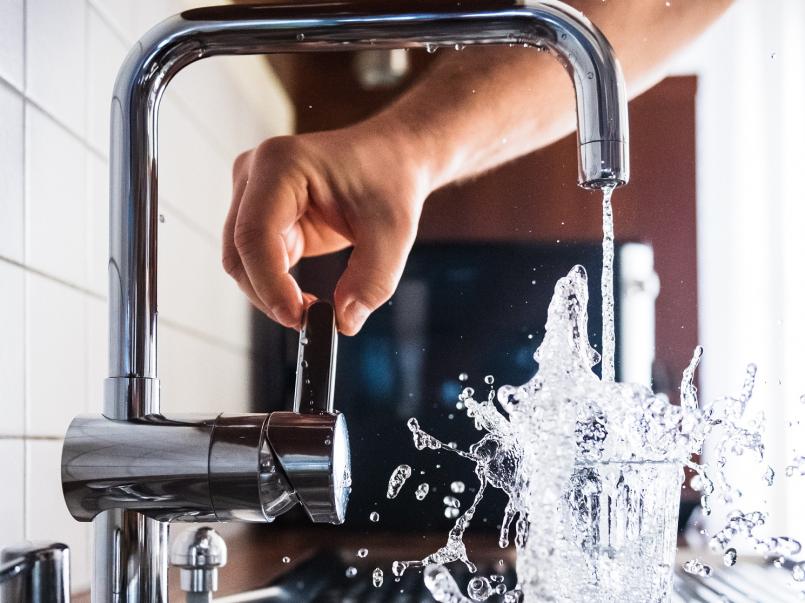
(285, 315)
(357, 314)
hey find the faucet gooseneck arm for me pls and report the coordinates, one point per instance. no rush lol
(131, 548)
(308, 27)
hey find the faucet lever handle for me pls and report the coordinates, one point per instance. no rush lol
(316, 360)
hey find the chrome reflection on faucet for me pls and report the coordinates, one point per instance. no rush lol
(249, 467)
(119, 485)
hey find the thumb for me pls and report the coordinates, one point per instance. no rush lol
(372, 274)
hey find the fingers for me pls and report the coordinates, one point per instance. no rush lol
(265, 234)
(230, 257)
(372, 275)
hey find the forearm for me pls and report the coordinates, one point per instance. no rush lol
(482, 107)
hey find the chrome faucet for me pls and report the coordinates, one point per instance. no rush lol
(132, 469)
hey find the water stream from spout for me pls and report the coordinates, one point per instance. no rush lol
(607, 291)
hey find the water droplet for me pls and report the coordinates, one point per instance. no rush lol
(286, 559)
(300, 37)
(422, 491)
(362, 553)
(377, 577)
(696, 567)
(463, 377)
(451, 501)
(730, 556)
(397, 480)
(589, 75)
(457, 487)
(431, 48)
(162, 218)
(479, 589)
(489, 379)
(374, 516)
(351, 572)
(398, 568)
(798, 572)
(450, 512)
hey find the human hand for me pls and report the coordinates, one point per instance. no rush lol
(312, 194)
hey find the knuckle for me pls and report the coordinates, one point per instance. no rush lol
(276, 148)
(400, 220)
(377, 288)
(231, 263)
(246, 238)
(240, 164)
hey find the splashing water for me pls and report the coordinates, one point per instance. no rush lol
(599, 463)
(397, 480)
(797, 467)
(442, 585)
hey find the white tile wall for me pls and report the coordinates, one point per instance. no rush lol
(11, 45)
(55, 199)
(58, 61)
(12, 508)
(55, 70)
(97, 224)
(11, 172)
(56, 356)
(12, 335)
(105, 53)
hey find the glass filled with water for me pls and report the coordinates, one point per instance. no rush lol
(616, 538)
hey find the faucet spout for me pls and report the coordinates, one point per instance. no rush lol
(139, 543)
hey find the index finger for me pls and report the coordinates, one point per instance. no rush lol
(267, 236)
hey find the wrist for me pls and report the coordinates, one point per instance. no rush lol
(418, 148)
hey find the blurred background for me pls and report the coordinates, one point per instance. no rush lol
(710, 234)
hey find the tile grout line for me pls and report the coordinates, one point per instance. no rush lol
(173, 324)
(25, 368)
(51, 277)
(110, 23)
(7, 437)
(89, 211)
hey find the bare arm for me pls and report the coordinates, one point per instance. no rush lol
(484, 106)
(365, 185)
